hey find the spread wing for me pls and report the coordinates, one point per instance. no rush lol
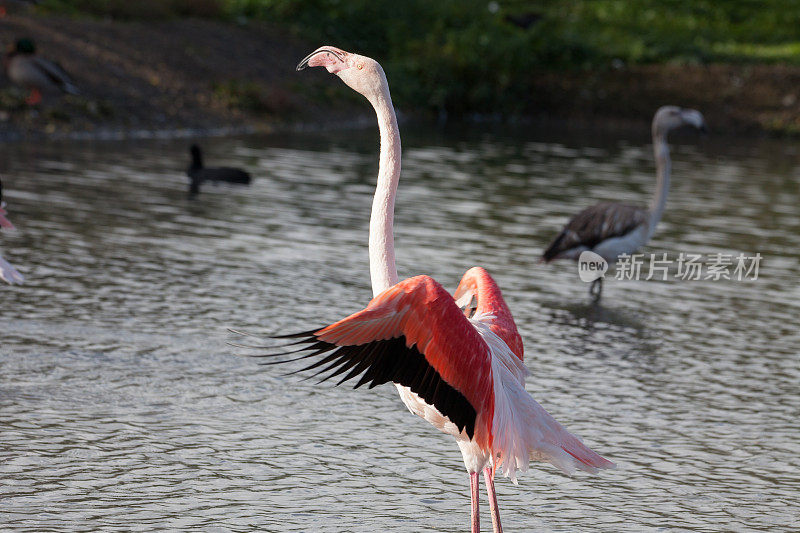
(415, 335)
(594, 225)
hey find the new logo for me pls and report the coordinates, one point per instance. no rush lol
(591, 266)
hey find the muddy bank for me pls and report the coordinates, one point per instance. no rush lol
(753, 99)
(180, 75)
(186, 76)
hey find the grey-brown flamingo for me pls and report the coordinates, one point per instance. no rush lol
(610, 229)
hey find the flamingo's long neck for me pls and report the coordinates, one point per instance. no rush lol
(382, 269)
(661, 152)
(478, 283)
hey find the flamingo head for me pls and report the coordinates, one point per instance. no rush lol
(670, 117)
(466, 292)
(362, 74)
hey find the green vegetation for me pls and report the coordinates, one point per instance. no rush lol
(701, 30)
(481, 55)
(139, 9)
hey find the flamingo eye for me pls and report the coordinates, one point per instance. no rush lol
(360, 66)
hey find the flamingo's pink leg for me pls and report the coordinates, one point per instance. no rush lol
(488, 476)
(476, 494)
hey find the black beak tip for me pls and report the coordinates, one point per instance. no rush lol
(704, 129)
(304, 62)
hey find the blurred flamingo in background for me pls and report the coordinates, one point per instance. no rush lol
(461, 370)
(8, 273)
(610, 229)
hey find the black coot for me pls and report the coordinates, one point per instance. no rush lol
(198, 173)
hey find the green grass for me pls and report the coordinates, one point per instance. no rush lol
(469, 56)
(139, 9)
(654, 31)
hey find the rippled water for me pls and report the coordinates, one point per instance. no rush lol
(121, 406)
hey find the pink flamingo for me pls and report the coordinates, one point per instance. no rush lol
(8, 273)
(462, 371)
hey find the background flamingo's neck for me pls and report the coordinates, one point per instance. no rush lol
(382, 269)
(661, 152)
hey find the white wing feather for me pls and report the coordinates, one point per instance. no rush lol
(8, 273)
(523, 431)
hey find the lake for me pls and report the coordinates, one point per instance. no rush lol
(123, 408)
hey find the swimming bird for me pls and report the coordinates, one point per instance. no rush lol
(610, 229)
(8, 273)
(23, 67)
(198, 173)
(461, 370)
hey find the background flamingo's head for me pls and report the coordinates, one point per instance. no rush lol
(670, 117)
(362, 74)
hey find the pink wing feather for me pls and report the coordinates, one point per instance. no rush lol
(415, 335)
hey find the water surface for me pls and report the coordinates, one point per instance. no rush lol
(121, 406)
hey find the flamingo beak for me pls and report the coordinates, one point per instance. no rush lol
(464, 298)
(695, 118)
(329, 57)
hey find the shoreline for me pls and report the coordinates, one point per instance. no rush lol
(196, 77)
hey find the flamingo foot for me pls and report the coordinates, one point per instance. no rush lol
(35, 98)
(475, 496)
(488, 476)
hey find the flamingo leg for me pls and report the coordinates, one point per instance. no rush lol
(476, 493)
(488, 476)
(596, 289)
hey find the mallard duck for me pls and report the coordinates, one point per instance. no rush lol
(23, 67)
(198, 173)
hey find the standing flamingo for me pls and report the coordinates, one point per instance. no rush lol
(8, 273)
(610, 229)
(463, 374)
